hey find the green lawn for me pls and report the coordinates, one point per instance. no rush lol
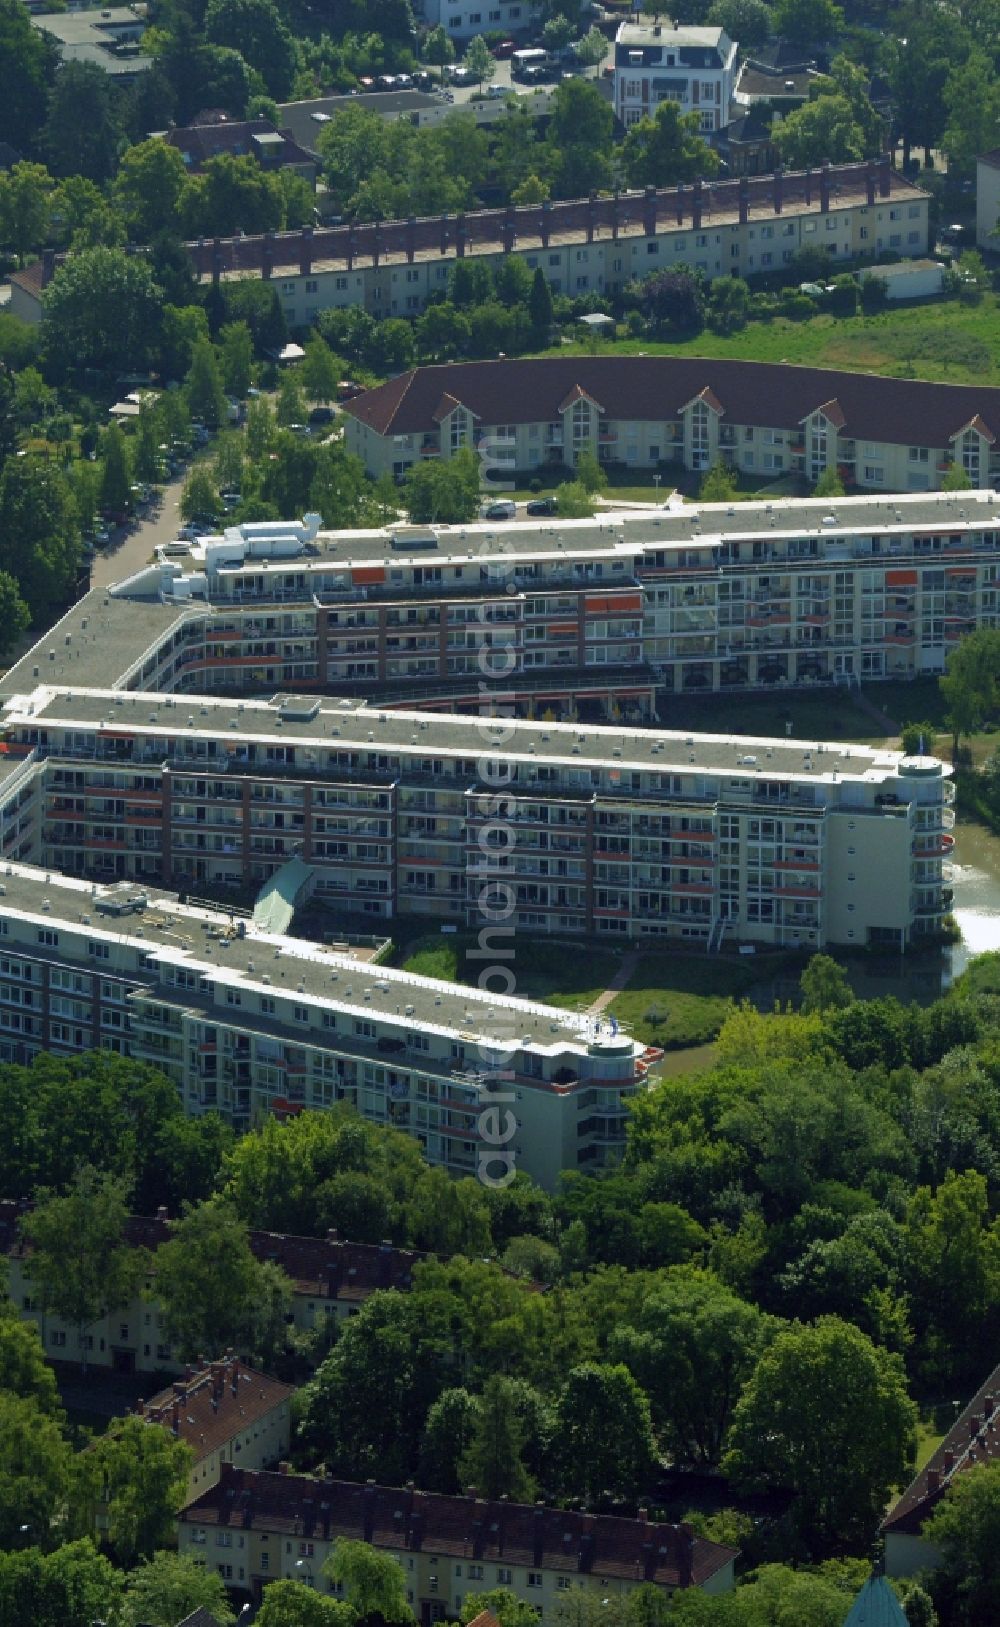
(571, 978)
(673, 1000)
(831, 714)
(945, 340)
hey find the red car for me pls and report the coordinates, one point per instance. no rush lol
(503, 51)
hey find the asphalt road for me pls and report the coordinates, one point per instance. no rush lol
(132, 547)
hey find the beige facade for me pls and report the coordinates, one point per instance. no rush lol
(257, 1528)
(988, 201)
(225, 1412)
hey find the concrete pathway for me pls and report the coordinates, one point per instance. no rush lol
(621, 979)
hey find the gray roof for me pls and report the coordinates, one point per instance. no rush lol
(327, 726)
(395, 104)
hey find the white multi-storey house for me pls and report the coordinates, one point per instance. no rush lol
(694, 67)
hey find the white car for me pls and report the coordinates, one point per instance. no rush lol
(498, 92)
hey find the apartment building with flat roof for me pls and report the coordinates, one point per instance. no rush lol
(762, 419)
(255, 1528)
(623, 832)
(250, 1023)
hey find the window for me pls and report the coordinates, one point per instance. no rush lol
(475, 1573)
(48, 938)
(504, 1576)
(312, 286)
(534, 1578)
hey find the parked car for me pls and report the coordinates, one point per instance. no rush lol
(346, 390)
(498, 92)
(504, 51)
(322, 415)
(543, 505)
(503, 509)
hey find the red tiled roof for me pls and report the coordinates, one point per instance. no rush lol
(485, 1618)
(202, 141)
(905, 412)
(325, 1266)
(974, 1438)
(30, 279)
(211, 1404)
(389, 1517)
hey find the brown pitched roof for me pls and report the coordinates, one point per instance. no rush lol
(485, 1618)
(213, 135)
(515, 1533)
(214, 1402)
(31, 279)
(906, 412)
(327, 1267)
(974, 1438)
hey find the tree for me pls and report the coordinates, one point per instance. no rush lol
(829, 483)
(321, 371)
(730, 302)
(260, 429)
(589, 473)
(823, 129)
(148, 186)
(364, 1409)
(257, 304)
(480, 61)
(971, 683)
(667, 149)
(82, 134)
(921, 58)
(604, 1432)
(294, 1604)
(593, 48)
(39, 535)
(493, 1461)
(447, 1436)
(557, 32)
(916, 739)
(574, 501)
(717, 484)
(504, 1604)
(26, 204)
(15, 617)
(824, 985)
(23, 1369)
(101, 310)
(439, 47)
(579, 139)
(693, 1347)
(130, 1483)
(146, 464)
(255, 29)
(291, 404)
(673, 301)
(965, 1527)
(375, 1583)
(826, 1414)
(28, 63)
(540, 308)
(806, 22)
(443, 491)
(73, 1586)
(203, 385)
(34, 1472)
(169, 1587)
(236, 357)
(232, 194)
(182, 327)
(199, 496)
(955, 478)
(80, 1265)
(213, 1292)
(748, 21)
(116, 486)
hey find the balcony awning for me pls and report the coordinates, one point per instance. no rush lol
(277, 899)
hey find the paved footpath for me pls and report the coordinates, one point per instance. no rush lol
(630, 961)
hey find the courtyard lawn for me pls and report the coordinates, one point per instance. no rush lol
(559, 974)
(942, 340)
(828, 714)
(677, 1000)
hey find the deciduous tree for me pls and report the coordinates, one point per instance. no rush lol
(375, 1583)
(169, 1587)
(604, 1432)
(826, 1414)
(130, 1483)
(213, 1293)
(81, 1267)
(101, 310)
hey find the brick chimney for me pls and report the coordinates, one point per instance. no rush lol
(779, 190)
(933, 1480)
(546, 222)
(460, 236)
(744, 199)
(884, 175)
(267, 255)
(649, 211)
(411, 238)
(871, 180)
(824, 187)
(685, 1555)
(697, 204)
(305, 251)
